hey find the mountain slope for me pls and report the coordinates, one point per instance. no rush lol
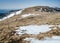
(38, 15)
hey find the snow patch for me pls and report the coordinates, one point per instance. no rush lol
(56, 37)
(33, 40)
(33, 29)
(52, 38)
(19, 12)
(59, 26)
(27, 15)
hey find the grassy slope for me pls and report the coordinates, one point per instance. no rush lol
(8, 26)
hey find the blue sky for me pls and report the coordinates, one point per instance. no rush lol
(17, 4)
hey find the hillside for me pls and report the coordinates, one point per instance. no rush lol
(38, 15)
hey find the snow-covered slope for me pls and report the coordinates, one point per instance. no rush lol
(51, 40)
(11, 15)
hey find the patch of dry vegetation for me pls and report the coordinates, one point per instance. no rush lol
(9, 36)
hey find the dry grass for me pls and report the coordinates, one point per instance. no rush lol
(7, 27)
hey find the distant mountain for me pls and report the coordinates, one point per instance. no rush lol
(57, 9)
(4, 13)
(14, 10)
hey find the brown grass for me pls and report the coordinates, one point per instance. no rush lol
(7, 27)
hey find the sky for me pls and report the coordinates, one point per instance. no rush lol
(19, 4)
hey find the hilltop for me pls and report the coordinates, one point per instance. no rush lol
(38, 15)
